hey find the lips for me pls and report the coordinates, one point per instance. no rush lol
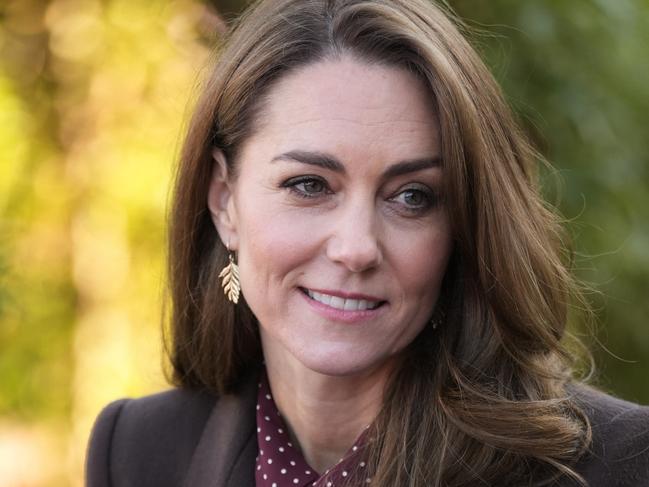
(344, 303)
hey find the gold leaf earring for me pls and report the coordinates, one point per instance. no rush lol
(230, 278)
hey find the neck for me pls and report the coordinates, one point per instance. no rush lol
(325, 414)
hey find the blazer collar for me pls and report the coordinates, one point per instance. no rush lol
(226, 452)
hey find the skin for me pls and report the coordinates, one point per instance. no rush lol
(350, 231)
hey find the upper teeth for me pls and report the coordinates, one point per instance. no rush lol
(342, 303)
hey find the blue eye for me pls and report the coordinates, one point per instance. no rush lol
(306, 186)
(417, 199)
(414, 197)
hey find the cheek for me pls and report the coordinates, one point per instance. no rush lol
(273, 243)
(421, 263)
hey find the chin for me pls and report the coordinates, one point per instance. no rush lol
(344, 364)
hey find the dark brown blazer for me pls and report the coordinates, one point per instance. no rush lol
(191, 439)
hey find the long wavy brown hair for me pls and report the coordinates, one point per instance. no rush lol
(484, 398)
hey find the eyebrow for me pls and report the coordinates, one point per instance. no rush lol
(327, 161)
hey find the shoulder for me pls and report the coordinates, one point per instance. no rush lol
(619, 453)
(612, 418)
(162, 428)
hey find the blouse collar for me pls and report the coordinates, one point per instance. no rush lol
(280, 463)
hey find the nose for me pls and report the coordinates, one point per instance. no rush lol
(354, 241)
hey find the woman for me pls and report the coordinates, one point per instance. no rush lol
(366, 285)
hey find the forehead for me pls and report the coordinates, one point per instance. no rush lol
(343, 104)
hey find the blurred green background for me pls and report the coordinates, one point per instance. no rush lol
(93, 98)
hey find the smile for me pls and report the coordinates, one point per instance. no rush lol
(344, 304)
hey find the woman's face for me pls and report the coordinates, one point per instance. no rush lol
(337, 216)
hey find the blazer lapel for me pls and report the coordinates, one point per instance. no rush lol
(225, 455)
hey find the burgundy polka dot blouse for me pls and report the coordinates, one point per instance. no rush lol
(281, 464)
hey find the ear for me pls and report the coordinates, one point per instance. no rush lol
(220, 201)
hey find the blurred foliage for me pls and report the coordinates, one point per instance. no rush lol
(578, 76)
(93, 96)
(92, 100)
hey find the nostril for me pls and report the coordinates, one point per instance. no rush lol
(358, 255)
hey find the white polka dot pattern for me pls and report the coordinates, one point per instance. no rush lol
(280, 464)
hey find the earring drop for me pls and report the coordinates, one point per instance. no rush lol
(436, 319)
(230, 278)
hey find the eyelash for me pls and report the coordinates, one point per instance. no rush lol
(432, 196)
(292, 184)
